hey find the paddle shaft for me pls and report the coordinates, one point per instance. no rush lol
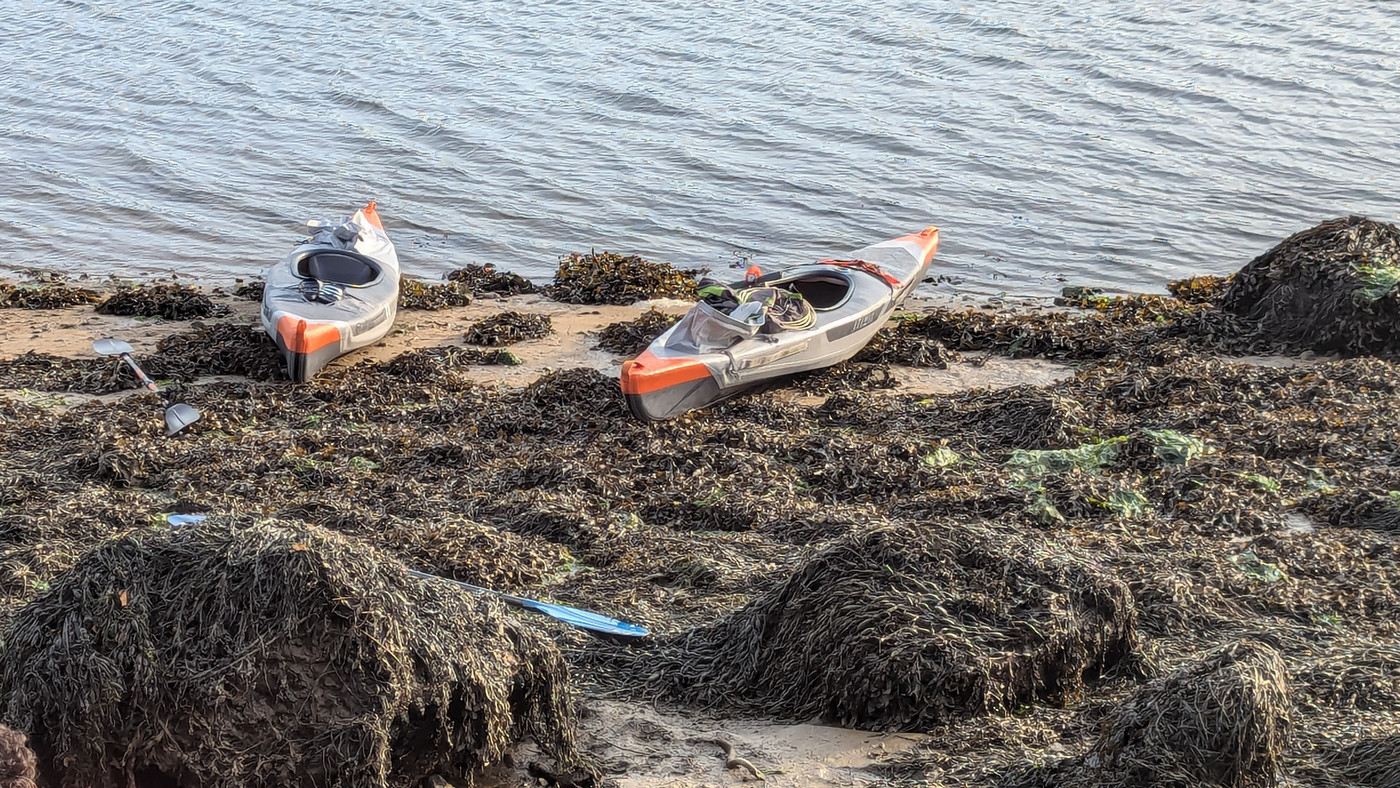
(141, 376)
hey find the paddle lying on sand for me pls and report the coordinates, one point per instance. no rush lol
(597, 623)
(177, 416)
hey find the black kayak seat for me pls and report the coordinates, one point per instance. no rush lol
(335, 265)
(823, 291)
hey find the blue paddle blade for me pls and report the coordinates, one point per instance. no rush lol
(597, 623)
(583, 619)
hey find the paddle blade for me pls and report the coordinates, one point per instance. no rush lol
(111, 347)
(597, 623)
(178, 417)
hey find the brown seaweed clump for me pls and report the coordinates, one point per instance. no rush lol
(1224, 721)
(487, 279)
(218, 349)
(608, 278)
(48, 295)
(18, 764)
(507, 328)
(250, 291)
(897, 344)
(1206, 289)
(901, 628)
(271, 655)
(630, 337)
(168, 301)
(417, 294)
(1330, 289)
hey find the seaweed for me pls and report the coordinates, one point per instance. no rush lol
(508, 328)
(899, 628)
(630, 337)
(250, 291)
(1331, 288)
(480, 279)
(45, 295)
(18, 764)
(167, 301)
(609, 278)
(363, 675)
(1224, 499)
(1223, 720)
(417, 294)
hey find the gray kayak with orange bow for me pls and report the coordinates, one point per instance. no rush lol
(336, 292)
(771, 326)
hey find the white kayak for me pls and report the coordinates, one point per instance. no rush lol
(712, 354)
(336, 292)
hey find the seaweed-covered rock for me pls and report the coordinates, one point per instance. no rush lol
(487, 279)
(630, 337)
(507, 328)
(417, 294)
(1331, 289)
(168, 301)
(270, 655)
(608, 278)
(1221, 721)
(900, 628)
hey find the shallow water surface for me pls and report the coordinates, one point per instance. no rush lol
(1097, 141)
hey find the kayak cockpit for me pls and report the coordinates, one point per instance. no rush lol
(339, 266)
(824, 290)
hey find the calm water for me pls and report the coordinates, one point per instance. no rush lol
(1123, 143)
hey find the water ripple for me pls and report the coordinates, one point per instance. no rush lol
(1088, 141)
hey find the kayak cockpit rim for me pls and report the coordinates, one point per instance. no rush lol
(344, 267)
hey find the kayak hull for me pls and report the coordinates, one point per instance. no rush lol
(334, 294)
(853, 298)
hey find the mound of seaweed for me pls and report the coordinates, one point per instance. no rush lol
(1331, 288)
(901, 628)
(168, 301)
(487, 279)
(46, 295)
(269, 655)
(438, 365)
(47, 372)
(507, 328)
(630, 337)
(217, 349)
(608, 278)
(417, 294)
(1223, 720)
